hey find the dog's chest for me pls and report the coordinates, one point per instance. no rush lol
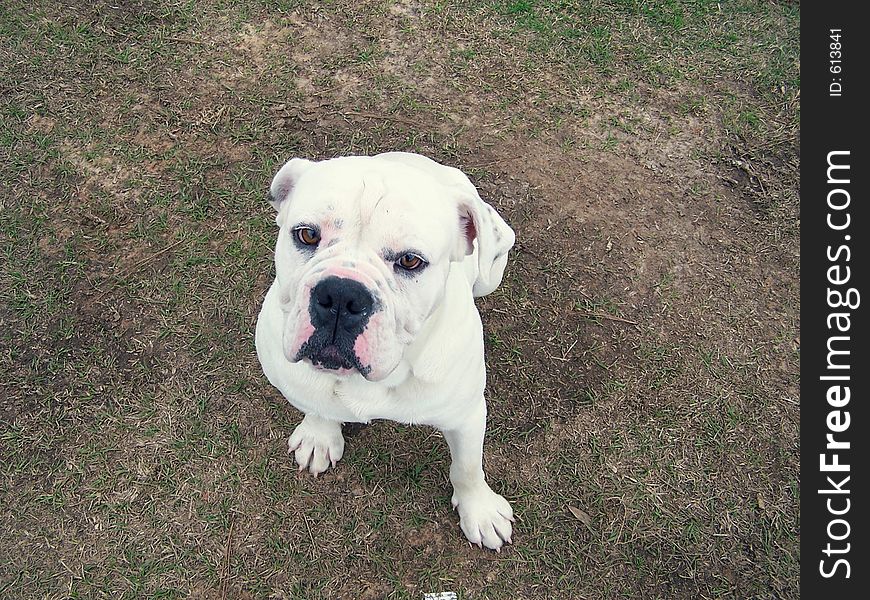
(367, 401)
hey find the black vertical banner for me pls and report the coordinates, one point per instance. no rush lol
(835, 369)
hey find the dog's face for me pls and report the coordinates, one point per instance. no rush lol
(363, 254)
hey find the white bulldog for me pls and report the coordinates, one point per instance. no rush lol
(372, 315)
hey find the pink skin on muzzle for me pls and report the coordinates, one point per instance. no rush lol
(300, 338)
(361, 346)
(347, 273)
(370, 345)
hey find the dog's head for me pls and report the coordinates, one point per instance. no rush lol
(364, 250)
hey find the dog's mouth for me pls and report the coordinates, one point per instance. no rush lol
(330, 356)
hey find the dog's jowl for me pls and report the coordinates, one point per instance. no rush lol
(372, 316)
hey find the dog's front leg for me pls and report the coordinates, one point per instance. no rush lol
(485, 517)
(317, 443)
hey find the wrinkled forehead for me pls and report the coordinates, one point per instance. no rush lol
(360, 193)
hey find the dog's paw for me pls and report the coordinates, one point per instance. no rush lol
(485, 517)
(316, 444)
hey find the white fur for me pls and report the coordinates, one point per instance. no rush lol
(426, 343)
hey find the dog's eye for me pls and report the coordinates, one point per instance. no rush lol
(307, 236)
(410, 261)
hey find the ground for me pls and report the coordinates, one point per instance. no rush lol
(642, 350)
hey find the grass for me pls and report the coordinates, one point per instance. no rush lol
(646, 154)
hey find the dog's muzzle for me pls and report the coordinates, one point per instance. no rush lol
(339, 309)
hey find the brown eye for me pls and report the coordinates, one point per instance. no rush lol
(307, 236)
(409, 262)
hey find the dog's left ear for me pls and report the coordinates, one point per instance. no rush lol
(484, 230)
(285, 180)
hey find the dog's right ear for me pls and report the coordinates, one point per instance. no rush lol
(285, 180)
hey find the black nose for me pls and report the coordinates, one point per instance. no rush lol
(340, 304)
